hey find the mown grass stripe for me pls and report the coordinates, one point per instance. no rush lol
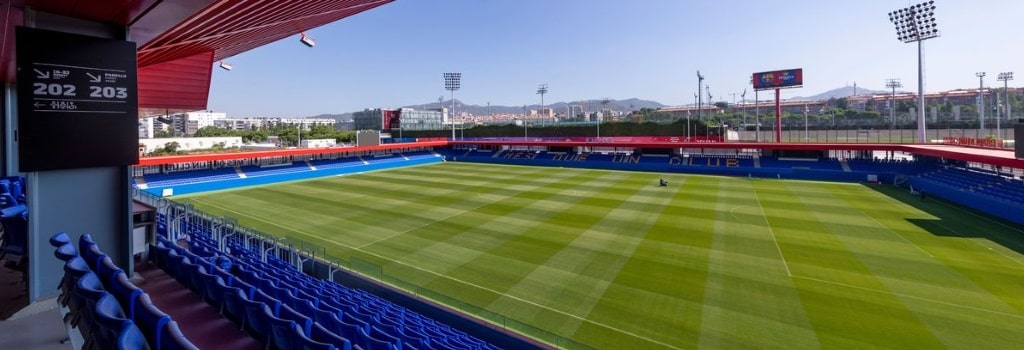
(897, 311)
(487, 226)
(734, 313)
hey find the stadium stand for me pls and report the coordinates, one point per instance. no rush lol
(186, 177)
(284, 308)
(991, 193)
(226, 177)
(828, 169)
(998, 188)
(110, 312)
(14, 218)
(828, 164)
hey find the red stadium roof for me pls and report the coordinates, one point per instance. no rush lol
(172, 30)
(280, 152)
(970, 154)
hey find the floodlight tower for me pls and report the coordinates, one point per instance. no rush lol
(1005, 77)
(452, 82)
(541, 90)
(696, 97)
(917, 23)
(700, 89)
(743, 98)
(981, 98)
(893, 84)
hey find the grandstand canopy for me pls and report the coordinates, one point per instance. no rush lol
(179, 40)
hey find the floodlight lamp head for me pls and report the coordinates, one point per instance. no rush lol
(225, 66)
(307, 40)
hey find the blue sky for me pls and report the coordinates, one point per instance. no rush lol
(394, 55)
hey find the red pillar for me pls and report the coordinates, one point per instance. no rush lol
(778, 117)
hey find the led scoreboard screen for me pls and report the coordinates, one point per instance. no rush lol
(779, 79)
(77, 101)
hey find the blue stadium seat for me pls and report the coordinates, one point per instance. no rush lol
(386, 322)
(303, 342)
(173, 339)
(87, 293)
(158, 252)
(213, 291)
(225, 275)
(245, 274)
(175, 263)
(248, 290)
(150, 319)
(126, 293)
(84, 241)
(324, 313)
(302, 305)
(131, 338)
(279, 293)
(92, 255)
(301, 320)
(283, 331)
(256, 323)
(59, 239)
(380, 340)
(414, 338)
(15, 233)
(74, 269)
(354, 333)
(234, 309)
(107, 271)
(110, 320)
(271, 302)
(323, 335)
(65, 252)
(193, 276)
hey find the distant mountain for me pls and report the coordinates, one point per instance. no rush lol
(592, 105)
(845, 91)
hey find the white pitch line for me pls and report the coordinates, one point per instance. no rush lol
(581, 319)
(985, 246)
(997, 252)
(772, 232)
(910, 296)
(898, 234)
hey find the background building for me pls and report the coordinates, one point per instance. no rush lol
(190, 143)
(398, 119)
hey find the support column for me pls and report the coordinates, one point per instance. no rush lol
(778, 117)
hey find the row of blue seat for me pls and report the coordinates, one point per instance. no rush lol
(108, 310)
(14, 217)
(984, 183)
(364, 319)
(241, 304)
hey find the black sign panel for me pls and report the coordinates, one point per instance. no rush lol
(78, 104)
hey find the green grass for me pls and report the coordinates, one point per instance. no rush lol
(611, 260)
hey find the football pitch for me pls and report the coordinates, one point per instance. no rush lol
(611, 260)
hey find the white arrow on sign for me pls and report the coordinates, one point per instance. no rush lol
(41, 74)
(37, 104)
(94, 78)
